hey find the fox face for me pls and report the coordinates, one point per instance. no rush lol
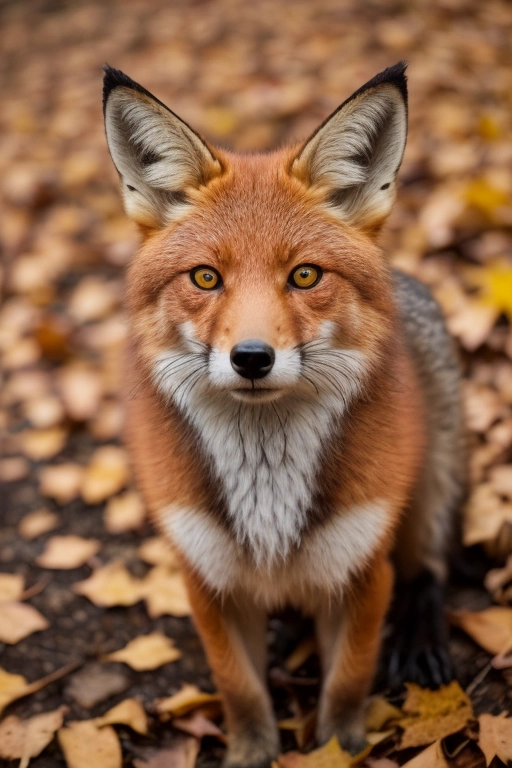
(259, 278)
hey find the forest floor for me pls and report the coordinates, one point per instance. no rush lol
(82, 573)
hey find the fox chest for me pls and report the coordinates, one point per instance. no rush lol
(266, 461)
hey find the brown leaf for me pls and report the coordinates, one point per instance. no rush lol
(331, 755)
(36, 523)
(147, 652)
(165, 593)
(432, 715)
(303, 727)
(94, 683)
(61, 482)
(18, 620)
(301, 654)
(39, 444)
(125, 512)
(44, 412)
(128, 712)
(432, 757)
(92, 299)
(159, 551)
(27, 738)
(81, 390)
(199, 726)
(188, 698)
(495, 738)
(85, 745)
(66, 552)
(111, 585)
(106, 474)
(11, 586)
(182, 755)
(490, 628)
(13, 469)
(498, 581)
(485, 515)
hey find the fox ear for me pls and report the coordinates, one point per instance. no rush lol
(354, 156)
(158, 157)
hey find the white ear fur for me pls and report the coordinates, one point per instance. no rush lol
(355, 154)
(157, 155)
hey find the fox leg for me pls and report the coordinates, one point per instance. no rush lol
(234, 638)
(349, 643)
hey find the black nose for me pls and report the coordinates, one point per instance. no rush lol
(252, 358)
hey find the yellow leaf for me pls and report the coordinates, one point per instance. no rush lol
(39, 444)
(330, 755)
(495, 738)
(27, 738)
(11, 586)
(128, 712)
(432, 715)
(300, 654)
(65, 552)
(491, 628)
(106, 474)
(494, 282)
(147, 652)
(379, 713)
(61, 482)
(18, 620)
(85, 745)
(125, 512)
(111, 585)
(36, 523)
(188, 698)
(11, 687)
(158, 551)
(165, 593)
(486, 197)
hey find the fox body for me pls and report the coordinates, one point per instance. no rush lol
(293, 414)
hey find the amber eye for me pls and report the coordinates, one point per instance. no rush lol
(305, 276)
(206, 278)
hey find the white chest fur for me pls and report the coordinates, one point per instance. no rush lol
(322, 566)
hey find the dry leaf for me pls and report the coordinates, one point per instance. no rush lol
(182, 755)
(106, 474)
(165, 593)
(65, 552)
(199, 726)
(11, 687)
(85, 745)
(44, 412)
(92, 299)
(81, 390)
(94, 683)
(61, 482)
(128, 712)
(303, 727)
(432, 715)
(301, 654)
(39, 444)
(18, 620)
(159, 551)
(147, 652)
(188, 698)
(330, 755)
(432, 757)
(495, 738)
(379, 713)
(485, 515)
(491, 628)
(11, 586)
(498, 581)
(27, 738)
(111, 585)
(125, 512)
(36, 523)
(13, 469)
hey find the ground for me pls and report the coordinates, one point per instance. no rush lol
(249, 76)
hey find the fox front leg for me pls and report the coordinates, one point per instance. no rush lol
(349, 641)
(234, 638)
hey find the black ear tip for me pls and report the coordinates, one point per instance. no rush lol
(113, 78)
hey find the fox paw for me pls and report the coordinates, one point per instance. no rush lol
(420, 637)
(252, 750)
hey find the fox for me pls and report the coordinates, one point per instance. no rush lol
(294, 416)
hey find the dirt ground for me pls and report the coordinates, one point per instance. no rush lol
(249, 76)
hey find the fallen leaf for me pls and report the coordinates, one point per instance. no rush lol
(39, 444)
(61, 482)
(147, 652)
(85, 745)
(498, 581)
(301, 654)
(18, 620)
(11, 586)
(111, 585)
(92, 299)
(128, 712)
(379, 713)
(495, 738)
(432, 757)
(14, 469)
(199, 725)
(36, 523)
(27, 738)
(303, 727)
(106, 474)
(66, 552)
(188, 698)
(182, 755)
(13, 687)
(125, 512)
(330, 755)
(81, 390)
(94, 683)
(44, 412)
(490, 628)
(485, 515)
(432, 715)
(165, 593)
(159, 551)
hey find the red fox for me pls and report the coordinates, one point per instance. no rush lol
(296, 427)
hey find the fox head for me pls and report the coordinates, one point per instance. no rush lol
(259, 276)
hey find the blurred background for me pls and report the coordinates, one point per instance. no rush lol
(250, 76)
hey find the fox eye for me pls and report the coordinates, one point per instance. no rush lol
(205, 278)
(305, 276)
